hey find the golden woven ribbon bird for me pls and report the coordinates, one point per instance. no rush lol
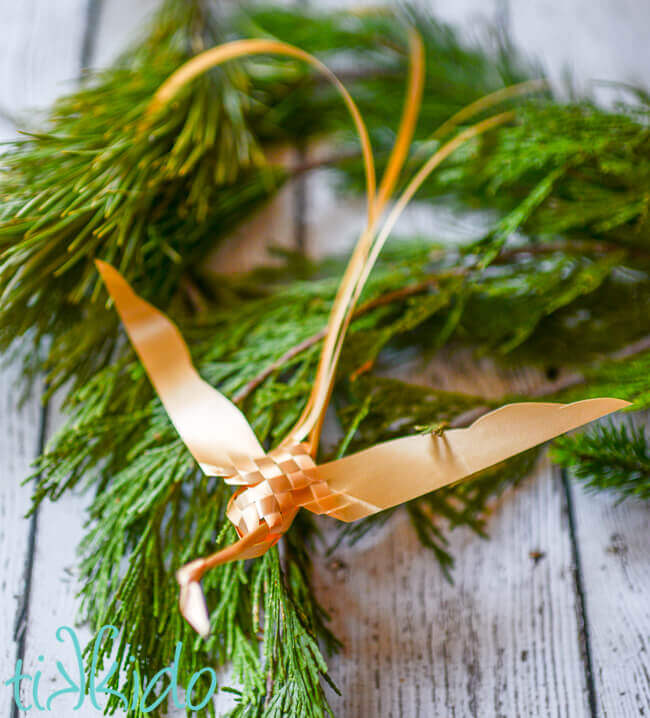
(274, 485)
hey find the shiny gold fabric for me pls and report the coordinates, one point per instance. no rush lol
(275, 485)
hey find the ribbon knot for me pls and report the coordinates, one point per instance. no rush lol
(273, 488)
(270, 485)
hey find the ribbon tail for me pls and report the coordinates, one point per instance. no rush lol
(192, 605)
(192, 602)
(396, 471)
(212, 427)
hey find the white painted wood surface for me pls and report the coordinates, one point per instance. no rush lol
(503, 640)
(614, 543)
(18, 448)
(40, 52)
(508, 638)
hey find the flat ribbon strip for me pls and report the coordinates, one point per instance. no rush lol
(396, 471)
(211, 426)
(277, 484)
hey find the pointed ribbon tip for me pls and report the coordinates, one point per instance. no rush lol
(192, 604)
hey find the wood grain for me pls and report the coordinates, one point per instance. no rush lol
(614, 544)
(503, 640)
(507, 639)
(119, 23)
(35, 65)
(40, 53)
(18, 448)
(53, 600)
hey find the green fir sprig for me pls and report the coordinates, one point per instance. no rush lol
(153, 511)
(609, 458)
(151, 198)
(559, 281)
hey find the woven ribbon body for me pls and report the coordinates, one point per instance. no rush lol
(274, 488)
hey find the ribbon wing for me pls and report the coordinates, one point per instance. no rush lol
(396, 471)
(213, 428)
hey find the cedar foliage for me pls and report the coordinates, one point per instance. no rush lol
(609, 458)
(564, 263)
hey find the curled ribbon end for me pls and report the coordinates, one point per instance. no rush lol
(104, 268)
(107, 272)
(192, 603)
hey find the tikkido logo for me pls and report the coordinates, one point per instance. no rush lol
(86, 687)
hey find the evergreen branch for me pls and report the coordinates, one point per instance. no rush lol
(380, 301)
(565, 265)
(152, 511)
(82, 189)
(433, 282)
(608, 458)
(95, 186)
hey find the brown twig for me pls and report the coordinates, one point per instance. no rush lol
(324, 161)
(277, 364)
(194, 295)
(419, 287)
(347, 77)
(382, 300)
(575, 378)
(562, 384)
(636, 347)
(569, 248)
(469, 417)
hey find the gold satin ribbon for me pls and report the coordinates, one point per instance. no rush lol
(275, 485)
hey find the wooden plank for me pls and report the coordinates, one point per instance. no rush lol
(54, 601)
(40, 52)
(583, 43)
(614, 545)
(19, 433)
(39, 59)
(120, 22)
(502, 641)
(35, 64)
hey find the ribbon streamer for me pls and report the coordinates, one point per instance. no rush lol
(275, 485)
